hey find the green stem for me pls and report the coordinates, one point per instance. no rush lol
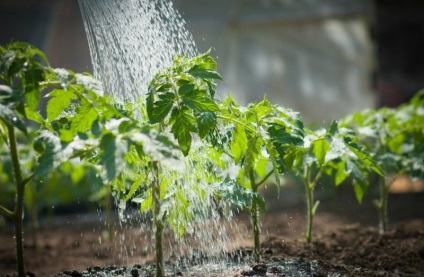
(311, 205)
(383, 204)
(26, 180)
(264, 179)
(233, 120)
(157, 221)
(18, 212)
(254, 212)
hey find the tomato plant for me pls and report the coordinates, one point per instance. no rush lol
(332, 151)
(395, 138)
(81, 126)
(250, 145)
(180, 99)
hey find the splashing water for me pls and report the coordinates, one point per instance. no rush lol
(132, 40)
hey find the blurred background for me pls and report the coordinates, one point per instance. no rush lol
(323, 58)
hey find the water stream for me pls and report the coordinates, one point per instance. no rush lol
(130, 41)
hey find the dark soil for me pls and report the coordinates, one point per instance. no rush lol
(345, 243)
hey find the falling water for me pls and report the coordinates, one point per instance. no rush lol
(130, 41)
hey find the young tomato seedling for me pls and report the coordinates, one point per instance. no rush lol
(395, 139)
(331, 151)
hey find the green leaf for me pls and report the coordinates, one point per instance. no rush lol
(200, 101)
(84, 119)
(341, 173)
(134, 187)
(334, 128)
(360, 188)
(162, 107)
(206, 123)
(12, 119)
(320, 149)
(183, 124)
(34, 116)
(59, 101)
(32, 99)
(251, 153)
(112, 156)
(238, 144)
(158, 147)
(200, 72)
(50, 148)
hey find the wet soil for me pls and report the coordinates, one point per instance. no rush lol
(345, 243)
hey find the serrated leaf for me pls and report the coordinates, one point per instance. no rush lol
(59, 101)
(183, 125)
(84, 119)
(199, 101)
(200, 72)
(162, 107)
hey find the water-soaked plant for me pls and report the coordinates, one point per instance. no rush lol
(395, 139)
(181, 101)
(333, 152)
(248, 140)
(81, 126)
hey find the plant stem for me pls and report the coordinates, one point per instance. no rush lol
(157, 221)
(264, 179)
(310, 206)
(230, 119)
(18, 212)
(254, 213)
(6, 212)
(382, 204)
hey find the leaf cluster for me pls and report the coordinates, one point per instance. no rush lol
(393, 136)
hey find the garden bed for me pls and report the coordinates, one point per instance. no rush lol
(345, 242)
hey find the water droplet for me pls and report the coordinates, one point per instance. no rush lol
(14, 119)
